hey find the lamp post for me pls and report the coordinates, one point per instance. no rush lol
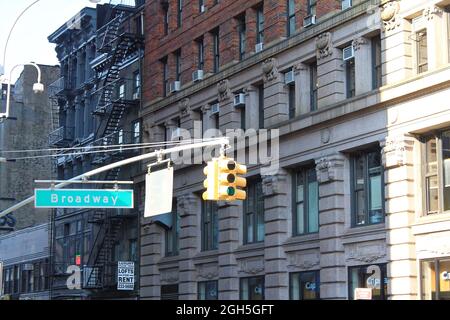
(37, 87)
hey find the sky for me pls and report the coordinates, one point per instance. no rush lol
(29, 38)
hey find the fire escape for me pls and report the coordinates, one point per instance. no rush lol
(118, 43)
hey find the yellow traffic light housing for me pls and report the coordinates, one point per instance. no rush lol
(223, 182)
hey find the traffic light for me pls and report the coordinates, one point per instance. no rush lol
(210, 183)
(223, 182)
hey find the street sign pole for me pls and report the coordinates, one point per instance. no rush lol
(216, 142)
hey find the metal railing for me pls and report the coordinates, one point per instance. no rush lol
(60, 135)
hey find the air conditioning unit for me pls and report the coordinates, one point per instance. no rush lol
(309, 21)
(348, 53)
(136, 96)
(289, 77)
(202, 8)
(239, 100)
(259, 47)
(197, 75)
(215, 108)
(175, 86)
(346, 4)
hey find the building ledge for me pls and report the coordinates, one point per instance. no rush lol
(250, 250)
(365, 233)
(302, 242)
(432, 223)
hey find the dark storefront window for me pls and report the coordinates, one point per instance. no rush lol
(370, 277)
(252, 288)
(169, 292)
(210, 225)
(172, 234)
(208, 290)
(304, 285)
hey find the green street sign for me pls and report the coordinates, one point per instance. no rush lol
(78, 198)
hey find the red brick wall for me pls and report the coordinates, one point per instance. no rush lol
(196, 25)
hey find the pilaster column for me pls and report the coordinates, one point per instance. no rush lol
(86, 117)
(275, 190)
(189, 207)
(400, 210)
(229, 222)
(229, 115)
(275, 98)
(302, 89)
(395, 44)
(251, 108)
(151, 253)
(363, 66)
(333, 275)
(78, 118)
(330, 72)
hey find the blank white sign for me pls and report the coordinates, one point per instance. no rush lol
(158, 192)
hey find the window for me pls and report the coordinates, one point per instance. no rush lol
(166, 18)
(260, 25)
(305, 201)
(314, 85)
(120, 136)
(122, 90)
(133, 250)
(291, 17)
(252, 288)
(201, 54)
(350, 77)
(216, 49)
(254, 213)
(291, 100)
(371, 277)
(136, 82)
(242, 37)
(178, 65)
(169, 292)
(136, 132)
(172, 234)
(210, 225)
(436, 172)
(180, 13)
(311, 7)
(422, 51)
(435, 279)
(201, 4)
(165, 79)
(376, 62)
(367, 188)
(304, 285)
(207, 290)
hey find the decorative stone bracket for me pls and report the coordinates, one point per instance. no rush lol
(274, 184)
(270, 70)
(330, 168)
(223, 88)
(389, 14)
(324, 45)
(396, 151)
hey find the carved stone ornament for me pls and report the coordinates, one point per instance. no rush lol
(324, 45)
(325, 135)
(169, 276)
(394, 151)
(431, 11)
(299, 67)
(208, 272)
(366, 253)
(274, 184)
(302, 261)
(389, 14)
(186, 203)
(223, 88)
(358, 42)
(330, 168)
(251, 266)
(184, 107)
(270, 69)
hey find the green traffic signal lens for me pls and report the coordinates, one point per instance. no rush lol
(231, 191)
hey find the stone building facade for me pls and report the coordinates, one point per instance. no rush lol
(27, 130)
(360, 198)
